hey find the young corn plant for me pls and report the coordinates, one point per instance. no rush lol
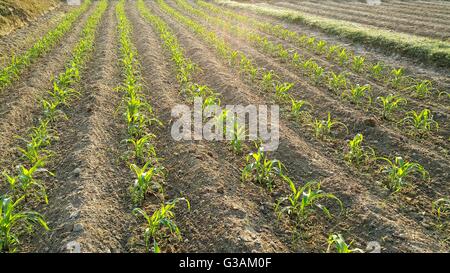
(282, 90)
(147, 177)
(296, 59)
(390, 103)
(377, 70)
(142, 148)
(323, 128)
(422, 122)
(357, 153)
(298, 108)
(160, 224)
(332, 51)
(39, 138)
(51, 111)
(397, 77)
(261, 169)
(26, 183)
(318, 74)
(343, 56)
(441, 208)
(399, 171)
(238, 134)
(359, 94)
(268, 81)
(337, 82)
(358, 63)
(283, 54)
(422, 89)
(11, 219)
(320, 46)
(302, 201)
(340, 245)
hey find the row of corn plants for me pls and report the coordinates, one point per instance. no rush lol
(16, 65)
(263, 170)
(141, 155)
(301, 201)
(417, 123)
(323, 128)
(25, 187)
(342, 56)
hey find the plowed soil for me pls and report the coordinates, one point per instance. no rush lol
(89, 201)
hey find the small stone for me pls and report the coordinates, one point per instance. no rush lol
(76, 172)
(78, 227)
(73, 247)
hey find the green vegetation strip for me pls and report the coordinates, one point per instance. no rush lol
(12, 71)
(425, 49)
(148, 172)
(25, 185)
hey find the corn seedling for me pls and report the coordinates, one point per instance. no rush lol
(337, 82)
(296, 59)
(283, 53)
(423, 88)
(377, 70)
(343, 57)
(323, 128)
(143, 150)
(390, 103)
(422, 122)
(441, 208)
(51, 111)
(297, 107)
(11, 220)
(261, 169)
(320, 46)
(399, 171)
(357, 153)
(332, 51)
(340, 245)
(304, 200)
(160, 224)
(268, 81)
(147, 177)
(397, 77)
(357, 93)
(358, 62)
(238, 134)
(311, 41)
(282, 89)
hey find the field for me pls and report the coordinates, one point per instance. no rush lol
(89, 161)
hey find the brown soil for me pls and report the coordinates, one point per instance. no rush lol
(89, 201)
(19, 103)
(22, 39)
(343, 115)
(18, 13)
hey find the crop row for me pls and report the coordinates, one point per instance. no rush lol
(25, 184)
(141, 155)
(265, 171)
(426, 49)
(393, 77)
(419, 123)
(12, 71)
